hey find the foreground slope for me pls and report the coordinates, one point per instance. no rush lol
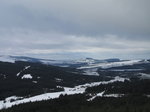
(132, 101)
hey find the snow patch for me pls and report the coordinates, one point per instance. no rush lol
(34, 82)
(97, 95)
(58, 80)
(113, 95)
(9, 99)
(38, 77)
(27, 76)
(26, 67)
(144, 76)
(104, 95)
(126, 70)
(8, 102)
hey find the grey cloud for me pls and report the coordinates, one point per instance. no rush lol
(48, 42)
(81, 17)
(83, 26)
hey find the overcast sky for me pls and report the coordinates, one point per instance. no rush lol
(70, 29)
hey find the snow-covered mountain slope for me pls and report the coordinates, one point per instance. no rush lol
(7, 59)
(32, 82)
(10, 101)
(88, 66)
(62, 63)
(92, 61)
(26, 78)
(81, 63)
(133, 66)
(86, 61)
(113, 64)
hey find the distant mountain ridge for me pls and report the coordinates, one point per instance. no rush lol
(54, 62)
(8, 58)
(80, 63)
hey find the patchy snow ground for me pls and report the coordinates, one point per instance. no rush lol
(27, 76)
(97, 95)
(69, 91)
(113, 64)
(26, 67)
(113, 95)
(58, 80)
(104, 95)
(126, 70)
(144, 76)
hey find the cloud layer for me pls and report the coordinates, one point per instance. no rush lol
(76, 28)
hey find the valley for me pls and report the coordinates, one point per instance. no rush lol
(24, 80)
